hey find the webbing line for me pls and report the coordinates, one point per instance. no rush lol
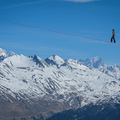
(54, 31)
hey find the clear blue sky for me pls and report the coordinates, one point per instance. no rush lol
(91, 18)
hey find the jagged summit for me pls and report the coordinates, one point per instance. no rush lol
(55, 60)
(4, 54)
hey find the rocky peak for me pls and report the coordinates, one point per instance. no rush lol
(39, 61)
(55, 60)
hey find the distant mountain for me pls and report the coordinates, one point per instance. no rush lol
(96, 62)
(32, 88)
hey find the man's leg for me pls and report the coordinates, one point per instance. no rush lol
(114, 40)
(111, 39)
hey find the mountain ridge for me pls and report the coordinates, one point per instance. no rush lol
(54, 84)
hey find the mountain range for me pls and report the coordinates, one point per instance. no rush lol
(36, 89)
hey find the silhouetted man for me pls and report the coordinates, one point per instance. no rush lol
(113, 36)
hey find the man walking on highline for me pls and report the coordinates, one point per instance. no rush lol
(113, 36)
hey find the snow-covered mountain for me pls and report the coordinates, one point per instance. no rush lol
(59, 84)
(96, 62)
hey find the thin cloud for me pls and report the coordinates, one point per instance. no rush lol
(25, 4)
(81, 1)
(42, 1)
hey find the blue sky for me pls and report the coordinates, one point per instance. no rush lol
(90, 18)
